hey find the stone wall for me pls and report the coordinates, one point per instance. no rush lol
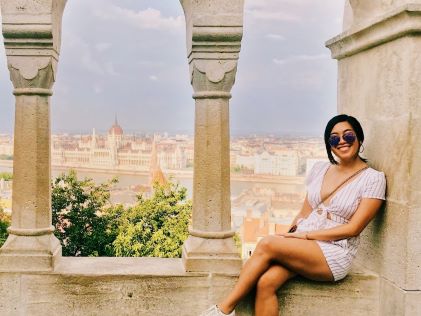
(153, 286)
(379, 79)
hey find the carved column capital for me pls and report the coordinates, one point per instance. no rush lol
(32, 37)
(214, 33)
(212, 78)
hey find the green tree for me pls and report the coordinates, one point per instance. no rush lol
(155, 226)
(7, 176)
(78, 208)
(5, 221)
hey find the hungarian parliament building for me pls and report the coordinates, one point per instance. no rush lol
(115, 150)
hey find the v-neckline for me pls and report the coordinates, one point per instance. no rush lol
(338, 191)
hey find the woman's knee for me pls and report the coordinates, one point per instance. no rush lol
(265, 245)
(267, 285)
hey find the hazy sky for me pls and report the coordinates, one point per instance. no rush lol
(128, 57)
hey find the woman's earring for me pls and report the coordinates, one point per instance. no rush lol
(361, 148)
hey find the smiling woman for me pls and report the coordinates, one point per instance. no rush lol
(342, 198)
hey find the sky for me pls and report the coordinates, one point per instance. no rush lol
(128, 58)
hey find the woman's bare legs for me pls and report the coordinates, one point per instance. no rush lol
(299, 255)
(266, 302)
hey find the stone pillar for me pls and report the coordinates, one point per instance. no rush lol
(214, 33)
(31, 31)
(379, 82)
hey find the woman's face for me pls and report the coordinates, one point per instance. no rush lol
(343, 150)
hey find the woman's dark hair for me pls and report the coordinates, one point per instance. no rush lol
(355, 125)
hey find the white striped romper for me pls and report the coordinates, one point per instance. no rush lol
(339, 254)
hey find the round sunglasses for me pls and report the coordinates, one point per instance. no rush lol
(348, 137)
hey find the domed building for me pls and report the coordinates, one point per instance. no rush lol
(115, 135)
(115, 129)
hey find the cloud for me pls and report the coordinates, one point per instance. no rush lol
(299, 58)
(153, 78)
(266, 14)
(150, 63)
(109, 68)
(88, 55)
(102, 47)
(97, 88)
(144, 19)
(276, 37)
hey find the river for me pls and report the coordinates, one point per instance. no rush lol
(124, 195)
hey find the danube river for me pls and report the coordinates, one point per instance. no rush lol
(239, 184)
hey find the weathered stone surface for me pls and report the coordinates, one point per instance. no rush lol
(386, 102)
(396, 301)
(10, 294)
(391, 25)
(365, 11)
(412, 303)
(379, 78)
(153, 286)
(383, 244)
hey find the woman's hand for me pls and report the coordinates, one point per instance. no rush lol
(300, 235)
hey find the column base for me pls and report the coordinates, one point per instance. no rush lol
(211, 255)
(30, 253)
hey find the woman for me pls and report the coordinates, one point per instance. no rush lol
(342, 198)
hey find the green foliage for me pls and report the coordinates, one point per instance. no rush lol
(78, 207)
(7, 176)
(237, 241)
(236, 169)
(6, 157)
(88, 225)
(4, 223)
(155, 226)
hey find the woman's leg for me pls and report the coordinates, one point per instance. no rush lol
(299, 255)
(266, 303)
(254, 267)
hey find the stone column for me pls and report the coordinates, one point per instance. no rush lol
(379, 82)
(31, 31)
(214, 33)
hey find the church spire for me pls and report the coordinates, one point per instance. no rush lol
(155, 172)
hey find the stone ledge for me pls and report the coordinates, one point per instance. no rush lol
(153, 286)
(122, 266)
(400, 22)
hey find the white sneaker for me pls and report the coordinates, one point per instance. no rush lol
(215, 311)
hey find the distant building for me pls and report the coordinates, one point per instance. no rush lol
(280, 163)
(259, 212)
(254, 229)
(118, 151)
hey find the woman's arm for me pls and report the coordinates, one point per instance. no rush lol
(362, 216)
(304, 212)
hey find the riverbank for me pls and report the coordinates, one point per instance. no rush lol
(179, 174)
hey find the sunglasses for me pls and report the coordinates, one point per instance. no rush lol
(349, 137)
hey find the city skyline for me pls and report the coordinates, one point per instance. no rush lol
(286, 82)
